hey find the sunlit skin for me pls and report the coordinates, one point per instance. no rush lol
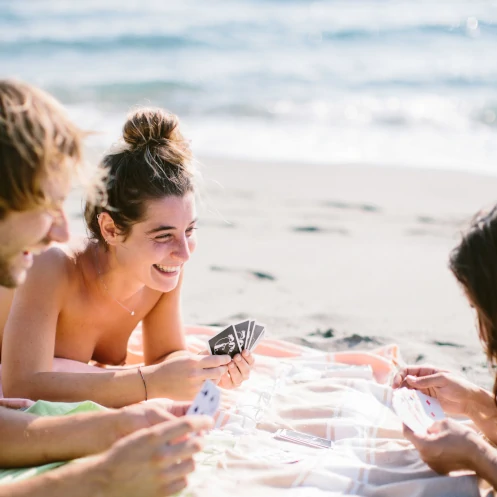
(27, 233)
(80, 308)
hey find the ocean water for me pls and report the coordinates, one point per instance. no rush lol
(393, 82)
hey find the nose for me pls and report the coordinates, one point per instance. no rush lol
(182, 250)
(59, 231)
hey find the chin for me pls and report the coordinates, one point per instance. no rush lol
(13, 278)
(164, 286)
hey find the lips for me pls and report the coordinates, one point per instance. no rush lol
(167, 269)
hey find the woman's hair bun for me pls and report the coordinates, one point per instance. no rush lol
(150, 127)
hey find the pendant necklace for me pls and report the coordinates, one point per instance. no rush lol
(132, 313)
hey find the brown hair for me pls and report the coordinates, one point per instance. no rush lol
(153, 161)
(37, 142)
(474, 263)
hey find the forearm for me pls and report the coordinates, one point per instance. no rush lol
(485, 463)
(483, 412)
(31, 440)
(108, 388)
(77, 480)
(171, 355)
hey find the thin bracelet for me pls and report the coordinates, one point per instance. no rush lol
(144, 383)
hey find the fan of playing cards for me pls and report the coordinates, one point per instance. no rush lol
(237, 338)
(416, 410)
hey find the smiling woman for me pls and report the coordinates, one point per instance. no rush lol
(81, 307)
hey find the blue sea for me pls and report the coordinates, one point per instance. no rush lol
(388, 82)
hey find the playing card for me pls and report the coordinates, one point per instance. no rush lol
(206, 401)
(242, 330)
(303, 439)
(431, 406)
(251, 333)
(257, 335)
(416, 410)
(225, 343)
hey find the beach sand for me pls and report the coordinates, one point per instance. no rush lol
(336, 257)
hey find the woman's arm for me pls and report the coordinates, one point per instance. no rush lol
(29, 344)
(163, 332)
(481, 409)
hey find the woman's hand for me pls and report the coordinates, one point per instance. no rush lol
(238, 370)
(453, 392)
(181, 377)
(447, 446)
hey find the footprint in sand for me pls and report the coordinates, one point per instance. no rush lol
(260, 275)
(337, 204)
(317, 229)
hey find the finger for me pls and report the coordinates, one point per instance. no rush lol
(432, 381)
(399, 378)
(409, 434)
(213, 373)
(170, 430)
(177, 470)
(248, 357)
(235, 374)
(243, 367)
(182, 450)
(214, 361)
(179, 408)
(437, 427)
(175, 486)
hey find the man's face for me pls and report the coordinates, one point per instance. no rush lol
(27, 233)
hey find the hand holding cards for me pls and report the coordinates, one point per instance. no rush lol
(416, 410)
(236, 338)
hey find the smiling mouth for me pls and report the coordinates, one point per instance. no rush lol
(167, 269)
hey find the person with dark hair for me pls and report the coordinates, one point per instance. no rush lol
(138, 450)
(449, 445)
(84, 306)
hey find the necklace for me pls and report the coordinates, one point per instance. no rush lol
(97, 266)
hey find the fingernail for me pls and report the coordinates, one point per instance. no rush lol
(238, 358)
(231, 366)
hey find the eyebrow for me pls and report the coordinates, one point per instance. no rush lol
(166, 228)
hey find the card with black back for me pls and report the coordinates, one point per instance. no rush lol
(206, 401)
(251, 333)
(225, 343)
(257, 335)
(242, 330)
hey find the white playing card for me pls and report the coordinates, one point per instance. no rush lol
(207, 400)
(303, 439)
(431, 406)
(416, 410)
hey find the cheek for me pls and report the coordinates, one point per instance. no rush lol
(192, 244)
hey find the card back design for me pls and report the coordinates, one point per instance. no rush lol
(225, 343)
(242, 331)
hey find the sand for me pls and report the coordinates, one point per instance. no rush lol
(336, 257)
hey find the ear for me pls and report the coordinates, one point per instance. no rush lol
(108, 228)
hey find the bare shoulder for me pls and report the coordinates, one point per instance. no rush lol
(52, 269)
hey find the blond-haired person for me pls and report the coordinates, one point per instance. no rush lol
(141, 450)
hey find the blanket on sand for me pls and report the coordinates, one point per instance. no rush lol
(345, 397)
